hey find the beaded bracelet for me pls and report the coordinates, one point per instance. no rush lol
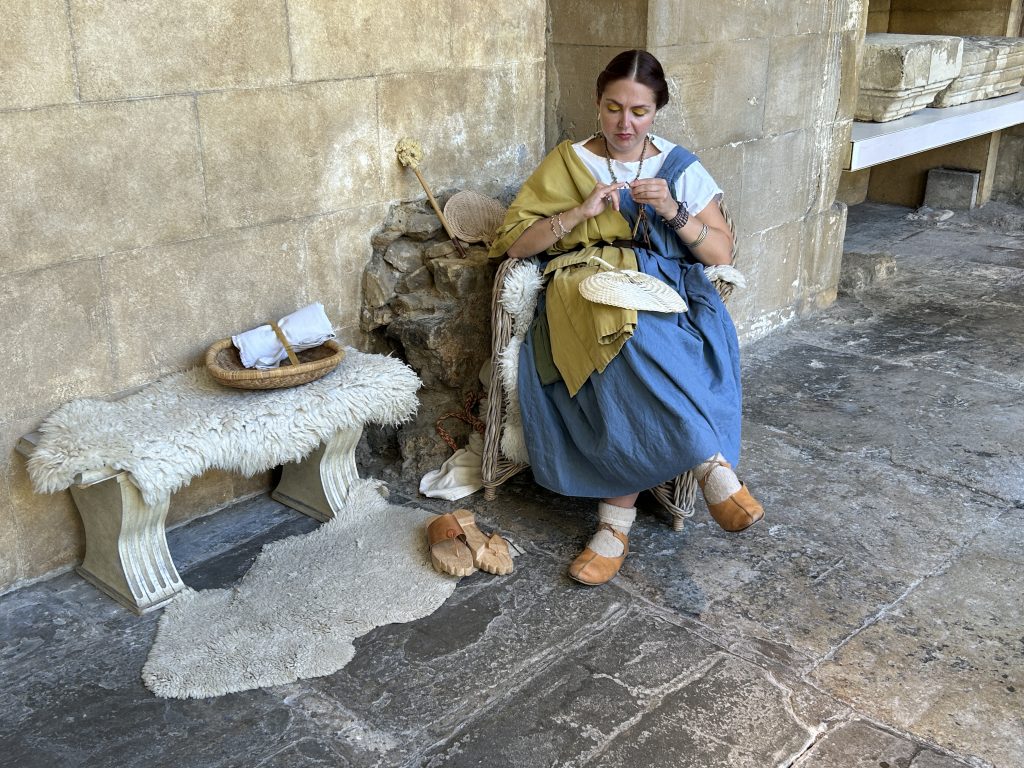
(700, 237)
(679, 220)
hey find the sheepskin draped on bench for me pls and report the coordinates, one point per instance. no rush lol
(187, 423)
(123, 459)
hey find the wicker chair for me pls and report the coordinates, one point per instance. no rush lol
(677, 496)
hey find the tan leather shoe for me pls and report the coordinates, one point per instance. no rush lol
(739, 511)
(593, 569)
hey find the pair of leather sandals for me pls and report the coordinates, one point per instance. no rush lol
(458, 547)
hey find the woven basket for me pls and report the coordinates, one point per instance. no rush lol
(226, 367)
(473, 217)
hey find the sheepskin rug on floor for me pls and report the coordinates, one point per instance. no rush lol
(297, 611)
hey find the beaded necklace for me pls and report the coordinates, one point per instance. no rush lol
(642, 213)
(608, 159)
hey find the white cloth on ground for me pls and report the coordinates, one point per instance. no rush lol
(459, 476)
(305, 328)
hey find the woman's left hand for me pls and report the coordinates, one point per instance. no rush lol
(654, 192)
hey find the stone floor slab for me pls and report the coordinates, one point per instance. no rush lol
(418, 682)
(947, 663)
(826, 559)
(568, 712)
(859, 744)
(947, 426)
(733, 715)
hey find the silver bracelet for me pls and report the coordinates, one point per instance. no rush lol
(700, 237)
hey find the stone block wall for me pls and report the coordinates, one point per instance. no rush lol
(431, 306)
(1008, 184)
(878, 15)
(955, 17)
(764, 94)
(178, 170)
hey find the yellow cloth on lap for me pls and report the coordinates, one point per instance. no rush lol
(585, 336)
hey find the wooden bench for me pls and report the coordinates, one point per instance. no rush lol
(126, 554)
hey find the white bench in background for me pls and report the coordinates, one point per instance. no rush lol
(118, 458)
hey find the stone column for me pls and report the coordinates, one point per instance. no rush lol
(761, 92)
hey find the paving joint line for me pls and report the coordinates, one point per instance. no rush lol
(457, 723)
(882, 612)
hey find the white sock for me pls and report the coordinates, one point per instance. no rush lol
(722, 481)
(619, 518)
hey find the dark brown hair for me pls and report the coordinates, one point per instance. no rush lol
(639, 66)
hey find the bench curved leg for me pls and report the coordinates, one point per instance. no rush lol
(126, 554)
(319, 484)
(338, 467)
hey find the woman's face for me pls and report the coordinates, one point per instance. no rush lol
(626, 110)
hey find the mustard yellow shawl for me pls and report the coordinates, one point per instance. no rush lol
(585, 336)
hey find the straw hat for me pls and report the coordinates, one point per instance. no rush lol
(630, 289)
(473, 217)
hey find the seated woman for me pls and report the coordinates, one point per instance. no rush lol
(615, 401)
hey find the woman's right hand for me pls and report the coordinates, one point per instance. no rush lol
(540, 235)
(602, 196)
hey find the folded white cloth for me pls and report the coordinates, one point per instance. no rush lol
(459, 476)
(305, 328)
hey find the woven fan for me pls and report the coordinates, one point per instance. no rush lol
(474, 217)
(629, 289)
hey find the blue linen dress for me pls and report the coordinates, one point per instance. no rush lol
(668, 401)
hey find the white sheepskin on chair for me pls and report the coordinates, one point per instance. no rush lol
(513, 442)
(520, 293)
(519, 297)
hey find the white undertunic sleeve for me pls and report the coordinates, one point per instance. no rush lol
(696, 188)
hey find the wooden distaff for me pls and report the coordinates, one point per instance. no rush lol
(410, 154)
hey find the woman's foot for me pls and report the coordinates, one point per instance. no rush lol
(593, 569)
(604, 554)
(728, 500)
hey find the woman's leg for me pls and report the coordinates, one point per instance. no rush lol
(607, 549)
(728, 500)
(623, 501)
(717, 479)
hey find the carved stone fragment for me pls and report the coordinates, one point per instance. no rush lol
(900, 74)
